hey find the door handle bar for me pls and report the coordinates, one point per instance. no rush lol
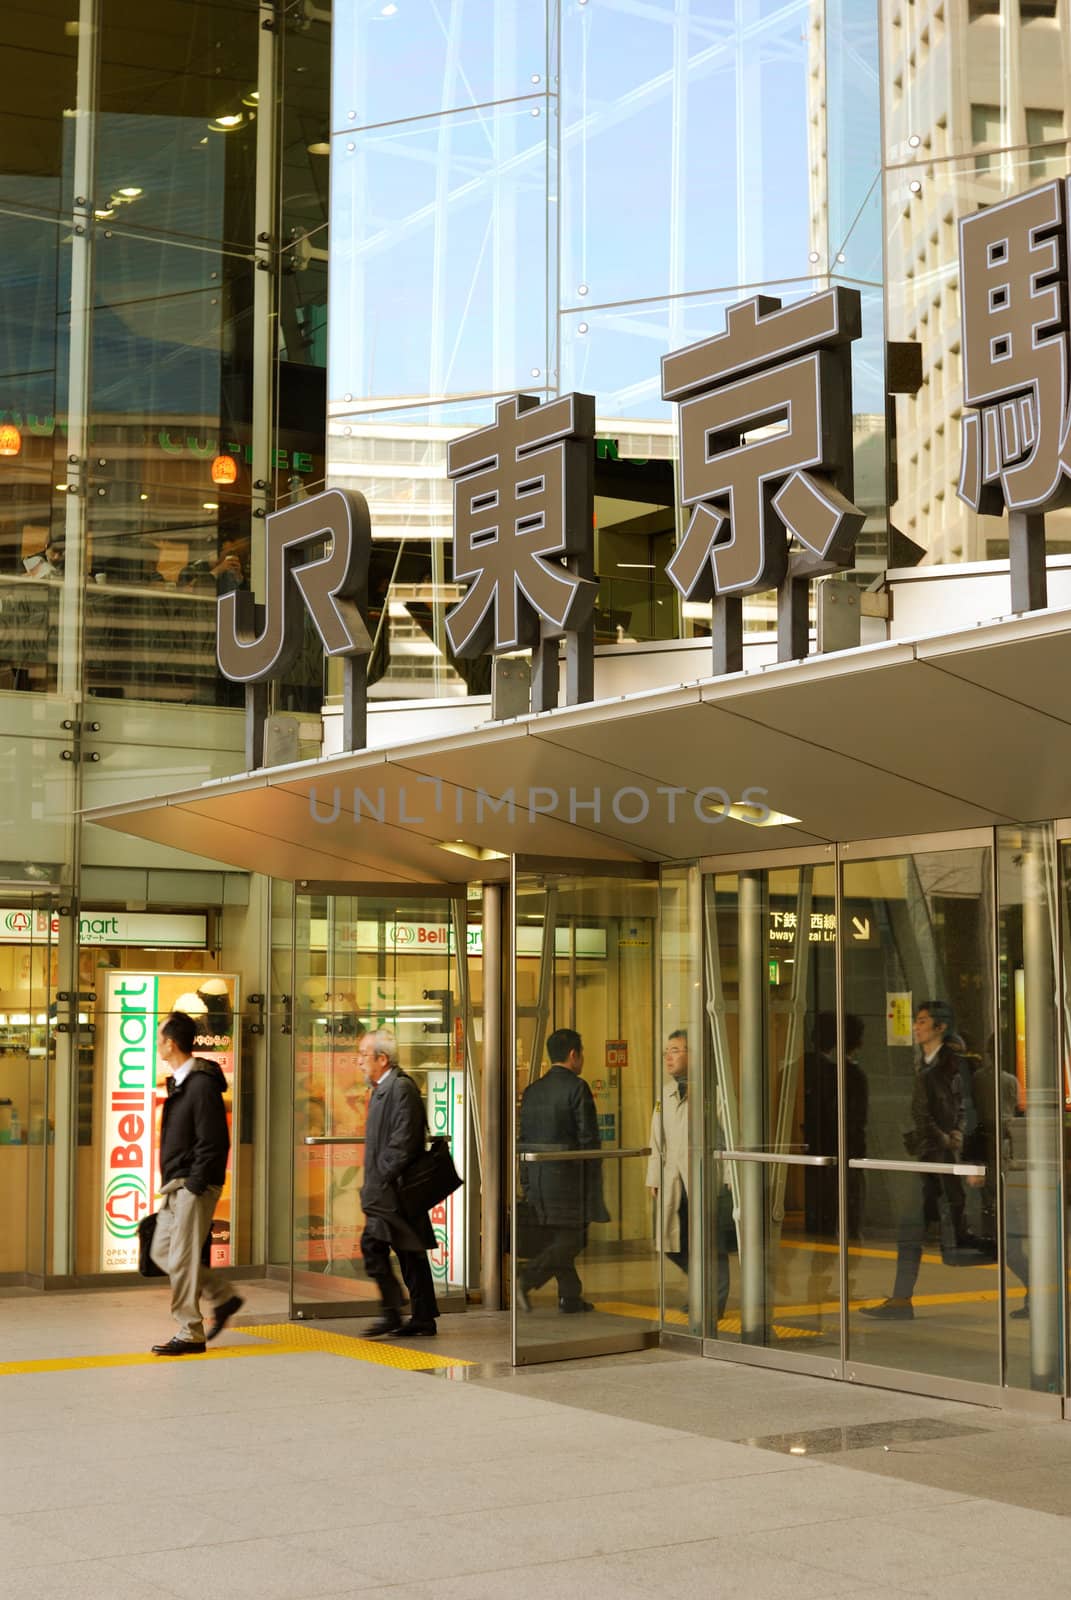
(772, 1158)
(956, 1169)
(580, 1155)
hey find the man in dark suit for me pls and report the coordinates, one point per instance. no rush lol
(558, 1113)
(395, 1133)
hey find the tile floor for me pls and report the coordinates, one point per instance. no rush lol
(301, 1474)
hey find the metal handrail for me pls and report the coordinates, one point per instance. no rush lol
(956, 1169)
(581, 1155)
(775, 1158)
(351, 1138)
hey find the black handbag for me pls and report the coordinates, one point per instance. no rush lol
(146, 1265)
(428, 1179)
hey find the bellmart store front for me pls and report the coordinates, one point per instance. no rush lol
(79, 1099)
(895, 860)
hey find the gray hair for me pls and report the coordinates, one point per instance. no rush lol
(383, 1043)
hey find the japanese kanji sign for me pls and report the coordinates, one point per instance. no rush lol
(766, 444)
(523, 504)
(255, 643)
(1014, 292)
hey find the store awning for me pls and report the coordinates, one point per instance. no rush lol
(927, 736)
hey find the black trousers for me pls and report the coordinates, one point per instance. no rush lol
(557, 1259)
(416, 1271)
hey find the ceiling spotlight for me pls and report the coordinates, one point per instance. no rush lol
(131, 192)
(104, 213)
(251, 97)
(319, 147)
(227, 123)
(209, 505)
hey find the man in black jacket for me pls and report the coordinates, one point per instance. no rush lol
(939, 1118)
(558, 1113)
(395, 1134)
(194, 1144)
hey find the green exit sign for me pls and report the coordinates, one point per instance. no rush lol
(775, 970)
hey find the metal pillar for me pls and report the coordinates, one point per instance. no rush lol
(491, 1101)
(1042, 1115)
(752, 991)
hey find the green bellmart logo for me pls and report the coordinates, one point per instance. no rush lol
(126, 1200)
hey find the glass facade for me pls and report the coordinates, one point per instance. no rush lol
(163, 350)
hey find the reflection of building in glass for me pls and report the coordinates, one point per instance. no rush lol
(976, 111)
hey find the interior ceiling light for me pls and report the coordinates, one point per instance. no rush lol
(131, 192)
(104, 213)
(251, 97)
(319, 147)
(10, 440)
(227, 123)
(474, 852)
(754, 816)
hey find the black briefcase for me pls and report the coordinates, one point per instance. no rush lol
(146, 1265)
(428, 1179)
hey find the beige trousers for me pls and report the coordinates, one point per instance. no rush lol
(182, 1223)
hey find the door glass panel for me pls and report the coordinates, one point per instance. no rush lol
(365, 962)
(585, 1263)
(918, 974)
(772, 1207)
(27, 988)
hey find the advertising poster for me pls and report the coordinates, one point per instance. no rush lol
(331, 1097)
(136, 1003)
(898, 1016)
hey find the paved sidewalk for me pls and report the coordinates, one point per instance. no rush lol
(301, 1474)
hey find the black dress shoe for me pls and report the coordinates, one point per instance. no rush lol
(389, 1322)
(223, 1315)
(522, 1298)
(417, 1330)
(571, 1307)
(180, 1347)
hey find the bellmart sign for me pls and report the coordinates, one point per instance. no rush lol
(144, 930)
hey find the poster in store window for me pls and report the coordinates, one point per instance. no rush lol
(134, 1091)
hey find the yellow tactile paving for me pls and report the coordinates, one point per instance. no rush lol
(380, 1354)
(730, 1324)
(139, 1358)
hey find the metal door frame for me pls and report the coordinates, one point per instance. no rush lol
(451, 895)
(845, 1368)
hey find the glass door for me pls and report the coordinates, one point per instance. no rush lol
(919, 993)
(27, 1017)
(585, 1265)
(773, 1194)
(363, 962)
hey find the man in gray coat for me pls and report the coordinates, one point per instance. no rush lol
(395, 1134)
(558, 1113)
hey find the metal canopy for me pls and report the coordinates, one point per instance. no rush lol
(961, 731)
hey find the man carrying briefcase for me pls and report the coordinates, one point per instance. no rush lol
(394, 1137)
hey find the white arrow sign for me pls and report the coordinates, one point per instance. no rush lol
(860, 927)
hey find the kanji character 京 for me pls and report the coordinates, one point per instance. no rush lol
(765, 444)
